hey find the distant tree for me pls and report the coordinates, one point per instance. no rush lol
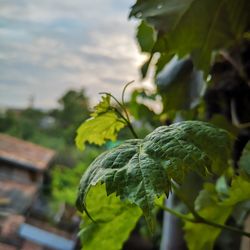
(73, 108)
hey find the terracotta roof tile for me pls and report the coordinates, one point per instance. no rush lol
(25, 154)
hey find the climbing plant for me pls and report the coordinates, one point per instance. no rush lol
(196, 47)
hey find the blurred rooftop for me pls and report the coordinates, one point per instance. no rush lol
(24, 154)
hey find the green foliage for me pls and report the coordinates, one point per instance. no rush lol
(196, 27)
(215, 207)
(103, 125)
(74, 108)
(180, 85)
(113, 221)
(245, 160)
(207, 206)
(145, 36)
(63, 183)
(141, 170)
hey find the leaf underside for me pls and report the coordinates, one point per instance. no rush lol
(141, 170)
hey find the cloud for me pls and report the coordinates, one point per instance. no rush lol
(48, 47)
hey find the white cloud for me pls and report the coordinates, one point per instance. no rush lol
(48, 47)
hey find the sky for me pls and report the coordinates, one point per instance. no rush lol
(50, 46)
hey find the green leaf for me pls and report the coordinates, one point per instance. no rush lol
(141, 170)
(196, 27)
(180, 85)
(210, 206)
(146, 37)
(245, 160)
(163, 15)
(207, 26)
(201, 236)
(114, 220)
(104, 125)
(239, 192)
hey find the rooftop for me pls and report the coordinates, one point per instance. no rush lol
(24, 154)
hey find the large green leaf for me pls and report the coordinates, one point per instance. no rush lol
(207, 26)
(103, 125)
(163, 15)
(196, 27)
(180, 85)
(113, 223)
(141, 170)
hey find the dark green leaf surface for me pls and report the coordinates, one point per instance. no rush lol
(141, 170)
(146, 37)
(114, 220)
(196, 27)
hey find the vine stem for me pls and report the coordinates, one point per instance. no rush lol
(123, 99)
(122, 106)
(128, 123)
(198, 219)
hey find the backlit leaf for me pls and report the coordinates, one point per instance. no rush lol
(102, 126)
(114, 220)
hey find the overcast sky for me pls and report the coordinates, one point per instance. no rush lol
(50, 46)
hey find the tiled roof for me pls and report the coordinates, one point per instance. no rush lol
(24, 154)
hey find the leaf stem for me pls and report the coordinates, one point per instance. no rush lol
(177, 214)
(198, 219)
(116, 100)
(123, 99)
(122, 106)
(127, 122)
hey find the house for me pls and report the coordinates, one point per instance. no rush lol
(23, 168)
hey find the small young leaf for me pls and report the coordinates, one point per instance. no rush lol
(141, 170)
(104, 125)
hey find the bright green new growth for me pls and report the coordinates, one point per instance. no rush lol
(114, 221)
(102, 126)
(141, 170)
